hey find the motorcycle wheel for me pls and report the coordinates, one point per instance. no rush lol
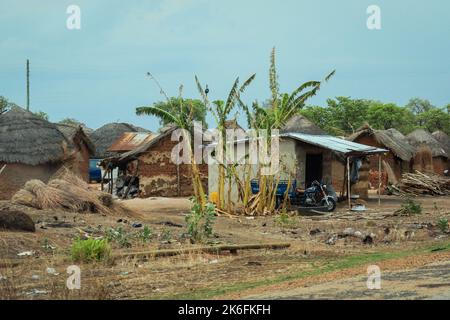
(331, 206)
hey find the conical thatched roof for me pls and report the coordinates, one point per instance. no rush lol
(300, 124)
(420, 136)
(28, 139)
(443, 139)
(75, 135)
(391, 139)
(105, 136)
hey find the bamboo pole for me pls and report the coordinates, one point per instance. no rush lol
(349, 192)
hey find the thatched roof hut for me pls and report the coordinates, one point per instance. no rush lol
(76, 135)
(105, 136)
(420, 137)
(391, 139)
(300, 124)
(443, 139)
(28, 139)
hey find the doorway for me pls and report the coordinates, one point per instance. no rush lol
(313, 170)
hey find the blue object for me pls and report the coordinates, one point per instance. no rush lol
(281, 189)
(95, 173)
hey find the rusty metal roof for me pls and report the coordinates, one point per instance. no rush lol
(130, 141)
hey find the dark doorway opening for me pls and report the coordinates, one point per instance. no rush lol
(313, 168)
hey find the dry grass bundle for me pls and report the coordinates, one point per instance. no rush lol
(67, 192)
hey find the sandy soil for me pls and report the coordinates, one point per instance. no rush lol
(205, 275)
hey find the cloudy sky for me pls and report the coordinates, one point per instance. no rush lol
(97, 74)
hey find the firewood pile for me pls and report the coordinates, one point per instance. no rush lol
(416, 184)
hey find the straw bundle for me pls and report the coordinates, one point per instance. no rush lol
(68, 192)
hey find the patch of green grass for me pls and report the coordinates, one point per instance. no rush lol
(90, 250)
(330, 266)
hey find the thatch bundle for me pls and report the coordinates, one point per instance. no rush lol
(67, 192)
(423, 161)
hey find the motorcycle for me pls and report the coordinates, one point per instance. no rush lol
(318, 195)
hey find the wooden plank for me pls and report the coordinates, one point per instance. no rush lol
(215, 250)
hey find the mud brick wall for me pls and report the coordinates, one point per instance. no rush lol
(440, 164)
(158, 174)
(15, 176)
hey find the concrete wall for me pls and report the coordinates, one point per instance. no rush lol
(293, 164)
(15, 176)
(158, 174)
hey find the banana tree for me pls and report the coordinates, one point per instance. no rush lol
(221, 111)
(274, 116)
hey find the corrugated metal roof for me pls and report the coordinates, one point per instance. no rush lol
(335, 144)
(130, 141)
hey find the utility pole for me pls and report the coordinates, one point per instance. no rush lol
(28, 85)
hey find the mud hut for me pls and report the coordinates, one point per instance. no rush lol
(399, 159)
(423, 140)
(30, 147)
(80, 148)
(105, 136)
(151, 165)
(444, 140)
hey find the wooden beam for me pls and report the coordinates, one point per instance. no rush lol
(349, 191)
(214, 250)
(379, 180)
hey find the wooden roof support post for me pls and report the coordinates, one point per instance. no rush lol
(379, 180)
(349, 192)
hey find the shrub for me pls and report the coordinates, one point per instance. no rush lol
(119, 236)
(410, 207)
(200, 222)
(90, 250)
(443, 225)
(145, 235)
(284, 220)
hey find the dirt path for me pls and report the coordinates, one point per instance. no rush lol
(431, 281)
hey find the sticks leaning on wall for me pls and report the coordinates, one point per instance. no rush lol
(2, 169)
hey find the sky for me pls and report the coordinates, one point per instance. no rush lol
(97, 74)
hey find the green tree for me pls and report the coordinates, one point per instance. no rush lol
(385, 116)
(418, 106)
(435, 119)
(323, 118)
(348, 114)
(196, 107)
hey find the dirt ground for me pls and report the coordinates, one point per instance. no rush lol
(319, 253)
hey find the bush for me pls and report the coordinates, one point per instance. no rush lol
(443, 225)
(200, 222)
(145, 235)
(410, 207)
(90, 250)
(284, 220)
(118, 235)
